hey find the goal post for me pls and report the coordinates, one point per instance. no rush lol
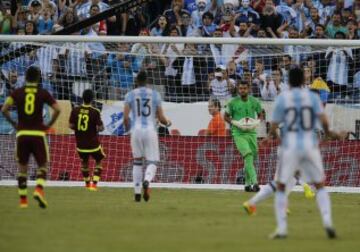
(186, 72)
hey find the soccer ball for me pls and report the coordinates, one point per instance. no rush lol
(246, 123)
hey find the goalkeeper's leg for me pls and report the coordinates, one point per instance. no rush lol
(243, 147)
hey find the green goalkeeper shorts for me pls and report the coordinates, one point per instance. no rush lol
(246, 144)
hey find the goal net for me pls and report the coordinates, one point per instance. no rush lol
(187, 72)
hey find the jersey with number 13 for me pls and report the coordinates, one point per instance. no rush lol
(298, 111)
(86, 119)
(143, 103)
(29, 101)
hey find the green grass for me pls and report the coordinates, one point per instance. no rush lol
(174, 220)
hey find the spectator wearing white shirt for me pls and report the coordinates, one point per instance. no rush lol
(276, 77)
(196, 15)
(220, 85)
(268, 89)
(169, 53)
(84, 10)
(72, 58)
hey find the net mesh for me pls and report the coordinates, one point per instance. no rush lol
(187, 76)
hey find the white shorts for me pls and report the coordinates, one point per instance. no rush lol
(308, 163)
(145, 144)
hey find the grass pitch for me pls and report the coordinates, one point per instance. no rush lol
(173, 220)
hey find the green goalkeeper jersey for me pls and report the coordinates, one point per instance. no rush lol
(238, 109)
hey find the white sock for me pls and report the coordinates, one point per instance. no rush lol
(324, 205)
(265, 192)
(290, 185)
(280, 212)
(150, 172)
(137, 178)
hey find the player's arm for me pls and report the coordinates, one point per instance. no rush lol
(126, 117)
(162, 119)
(56, 108)
(273, 133)
(72, 120)
(261, 115)
(332, 135)
(5, 110)
(227, 118)
(100, 125)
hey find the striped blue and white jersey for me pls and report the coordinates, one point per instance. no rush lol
(298, 111)
(143, 103)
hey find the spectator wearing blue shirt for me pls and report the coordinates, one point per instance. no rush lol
(247, 14)
(208, 26)
(45, 23)
(121, 74)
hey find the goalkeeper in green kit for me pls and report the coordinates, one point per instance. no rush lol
(248, 108)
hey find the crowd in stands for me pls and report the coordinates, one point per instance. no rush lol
(187, 72)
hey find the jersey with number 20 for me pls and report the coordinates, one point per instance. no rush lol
(298, 111)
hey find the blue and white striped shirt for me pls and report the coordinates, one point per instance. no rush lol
(143, 103)
(298, 111)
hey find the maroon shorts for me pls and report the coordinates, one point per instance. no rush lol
(97, 155)
(36, 145)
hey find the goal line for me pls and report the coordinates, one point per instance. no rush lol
(334, 189)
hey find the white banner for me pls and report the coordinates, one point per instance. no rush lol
(189, 118)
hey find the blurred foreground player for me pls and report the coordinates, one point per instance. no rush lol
(300, 111)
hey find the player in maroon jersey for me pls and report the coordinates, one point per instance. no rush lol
(86, 122)
(30, 136)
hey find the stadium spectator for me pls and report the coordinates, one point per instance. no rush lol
(197, 13)
(190, 66)
(268, 89)
(319, 32)
(134, 21)
(270, 19)
(170, 52)
(83, 8)
(216, 126)
(161, 27)
(208, 26)
(220, 85)
(338, 70)
(5, 21)
(140, 50)
(312, 21)
(19, 19)
(187, 28)
(98, 28)
(352, 30)
(285, 67)
(246, 14)
(30, 28)
(174, 14)
(122, 67)
(277, 79)
(45, 23)
(335, 26)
